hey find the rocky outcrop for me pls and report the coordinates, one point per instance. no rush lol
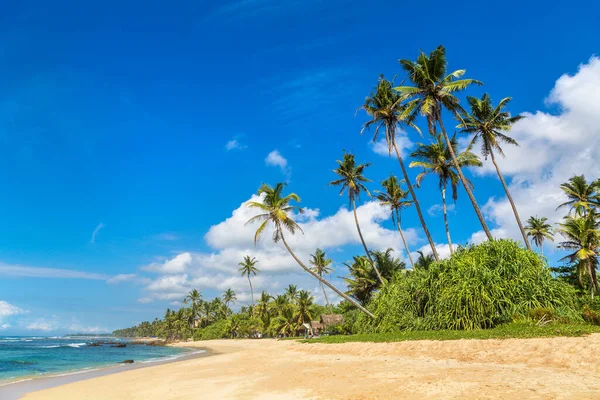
(126, 362)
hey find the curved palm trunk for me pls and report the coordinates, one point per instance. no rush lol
(417, 206)
(512, 203)
(404, 240)
(323, 281)
(325, 294)
(462, 177)
(446, 220)
(365, 245)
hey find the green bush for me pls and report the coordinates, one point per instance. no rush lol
(218, 330)
(480, 286)
(542, 314)
(591, 315)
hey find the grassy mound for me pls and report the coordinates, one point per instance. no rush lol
(479, 287)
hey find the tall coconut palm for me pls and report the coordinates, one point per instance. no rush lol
(582, 197)
(248, 268)
(229, 296)
(435, 158)
(539, 230)
(275, 208)
(395, 198)
(433, 90)
(194, 298)
(386, 110)
(292, 293)
(262, 307)
(320, 264)
(352, 179)
(490, 124)
(305, 300)
(582, 234)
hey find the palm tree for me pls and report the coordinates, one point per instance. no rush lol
(229, 297)
(320, 264)
(248, 268)
(353, 180)
(583, 237)
(386, 110)
(388, 265)
(435, 158)
(274, 208)
(194, 297)
(432, 90)
(539, 230)
(582, 196)
(361, 282)
(424, 261)
(488, 124)
(292, 293)
(394, 198)
(305, 300)
(262, 308)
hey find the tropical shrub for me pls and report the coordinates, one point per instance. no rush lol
(218, 330)
(480, 286)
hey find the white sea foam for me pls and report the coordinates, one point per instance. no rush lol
(76, 345)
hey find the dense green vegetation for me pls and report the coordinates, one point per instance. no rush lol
(498, 288)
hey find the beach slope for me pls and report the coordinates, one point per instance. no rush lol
(545, 368)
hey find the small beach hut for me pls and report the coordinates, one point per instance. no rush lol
(328, 320)
(317, 327)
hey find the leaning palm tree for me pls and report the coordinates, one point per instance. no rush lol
(387, 112)
(490, 124)
(582, 234)
(353, 180)
(320, 264)
(582, 197)
(395, 198)
(432, 91)
(229, 296)
(539, 230)
(435, 158)
(248, 268)
(275, 208)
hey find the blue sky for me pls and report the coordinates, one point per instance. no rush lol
(116, 119)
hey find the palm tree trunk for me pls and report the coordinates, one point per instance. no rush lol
(404, 240)
(325, 294)
(446, 220)
(365, 245)
(512, 203)
(462, 177)
(593, 278)
(417, 206)
(251, 293)
(329, 285)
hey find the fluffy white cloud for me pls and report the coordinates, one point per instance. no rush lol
(275, 159)
(234, 144)
(7, 309)
(552, 149)
(4, 326)
(381, 148)
(232, 239)
(45, 326)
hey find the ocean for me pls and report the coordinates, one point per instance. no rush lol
(23, 357)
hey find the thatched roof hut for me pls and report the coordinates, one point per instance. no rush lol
(332, 319)
(316, 325)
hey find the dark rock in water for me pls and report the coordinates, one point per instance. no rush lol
(95, 344)
(126, 362)
(119, 345)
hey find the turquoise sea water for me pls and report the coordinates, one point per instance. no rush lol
(29, 357)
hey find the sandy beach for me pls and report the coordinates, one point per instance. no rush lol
(555, 368)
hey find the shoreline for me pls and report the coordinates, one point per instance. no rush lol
(539, 368)
(14, 390)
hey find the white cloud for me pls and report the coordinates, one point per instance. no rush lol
(234, 144)
(121, 278)
(438, 209)
(40, 272)
(552, 149)
(41, 325)
(4, 326)
(232, 240)
(7, 309)
(95, 232)
(381, 148)
(275, 159)
(77, 327)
